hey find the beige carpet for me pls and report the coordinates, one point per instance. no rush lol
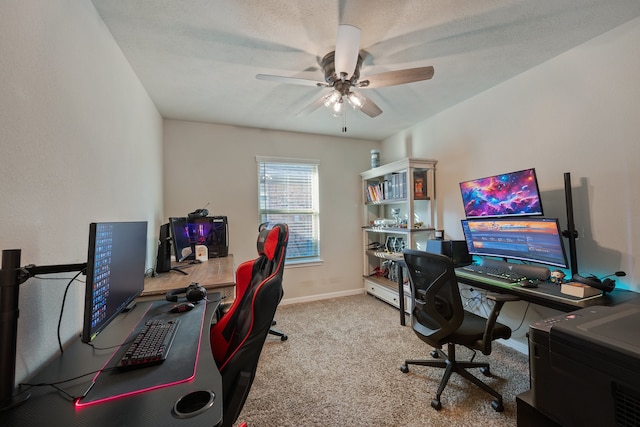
(340, 367)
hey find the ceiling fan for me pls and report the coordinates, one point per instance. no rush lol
(342, 73)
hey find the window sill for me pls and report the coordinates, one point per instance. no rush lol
(306, 263)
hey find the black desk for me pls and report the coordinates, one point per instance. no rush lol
(549, 295)
(546, 294)
(49, 407)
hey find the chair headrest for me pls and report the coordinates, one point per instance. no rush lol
(269, 238)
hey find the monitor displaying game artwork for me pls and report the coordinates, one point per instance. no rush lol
(507, 194)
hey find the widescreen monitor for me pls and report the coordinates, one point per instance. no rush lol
(115, 272)
(507, 194)
(537, 240)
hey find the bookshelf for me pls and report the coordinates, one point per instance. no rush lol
(399, 212)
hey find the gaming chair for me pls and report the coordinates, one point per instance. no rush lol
(239, 335)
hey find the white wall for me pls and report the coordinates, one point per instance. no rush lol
(217, 164)
(80, 141)
(576, 113)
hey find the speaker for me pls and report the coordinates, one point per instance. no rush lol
(163, 258)
(606, 285)
(537, 272)
(454, 249)
(194, 293)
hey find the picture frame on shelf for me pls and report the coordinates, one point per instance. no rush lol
(420, 185)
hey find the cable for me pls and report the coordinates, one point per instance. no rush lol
(523, 317)
(64, 298)
(56, 383)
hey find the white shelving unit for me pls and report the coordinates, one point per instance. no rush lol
(405, 188)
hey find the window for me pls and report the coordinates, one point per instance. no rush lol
(288, 193)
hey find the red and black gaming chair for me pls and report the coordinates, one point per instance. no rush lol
(238, 337)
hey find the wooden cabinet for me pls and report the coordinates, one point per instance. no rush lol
(399, 212)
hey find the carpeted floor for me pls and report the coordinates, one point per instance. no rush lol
(340, 367)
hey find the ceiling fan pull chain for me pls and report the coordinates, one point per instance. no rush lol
(344, 120)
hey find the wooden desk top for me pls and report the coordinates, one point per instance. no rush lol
(211, 274)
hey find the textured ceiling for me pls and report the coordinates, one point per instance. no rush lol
(198, 58)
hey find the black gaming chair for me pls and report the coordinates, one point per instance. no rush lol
(238, 337)
(438, 318)
(272, 331)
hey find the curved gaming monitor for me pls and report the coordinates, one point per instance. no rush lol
(507, 194)
(536, 239)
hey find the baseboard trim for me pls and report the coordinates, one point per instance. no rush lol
(287, 301)
(516, 345)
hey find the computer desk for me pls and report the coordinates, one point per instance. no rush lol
(546, 294)
(154, 407)
(549, 295)
(215, 274)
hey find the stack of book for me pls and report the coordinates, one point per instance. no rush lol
(392, 187)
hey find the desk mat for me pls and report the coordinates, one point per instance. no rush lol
(180, 366)
(553, 290)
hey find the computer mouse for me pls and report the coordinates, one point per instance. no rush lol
(182, 307)
(528, 284)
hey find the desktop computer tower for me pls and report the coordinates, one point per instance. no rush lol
(163, 258)
(454, 249)
(212, 232)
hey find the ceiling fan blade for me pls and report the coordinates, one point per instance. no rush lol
(347, 49)
(291, 80)
(317, 103)
(392, 78)
(370, 108)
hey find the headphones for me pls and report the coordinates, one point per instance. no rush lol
(199, 213)
(605, 285)
(194, 293)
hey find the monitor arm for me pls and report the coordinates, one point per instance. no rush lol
(11, 277)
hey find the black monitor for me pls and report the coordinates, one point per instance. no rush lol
(507, 194)
(180, 239)
(115, 272)
(536, 239)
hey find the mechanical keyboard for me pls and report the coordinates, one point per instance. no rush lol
(151, 345)
(494, 275)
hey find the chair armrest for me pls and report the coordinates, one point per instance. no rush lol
(502, 297)
(499, 300)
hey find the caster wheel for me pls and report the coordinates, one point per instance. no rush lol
(486, 372)
(497, 406)
(284, 338)
(435, 404)
(434, 354)
(404, 368)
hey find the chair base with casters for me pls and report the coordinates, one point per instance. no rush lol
(282, 335)
(451, 365)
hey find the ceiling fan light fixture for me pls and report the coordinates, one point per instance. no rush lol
(356, 100)
(337, 108)
(331, 99)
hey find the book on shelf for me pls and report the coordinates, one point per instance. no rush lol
(390, 187)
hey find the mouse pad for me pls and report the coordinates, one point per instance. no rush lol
(180, 365)
(550, 289)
